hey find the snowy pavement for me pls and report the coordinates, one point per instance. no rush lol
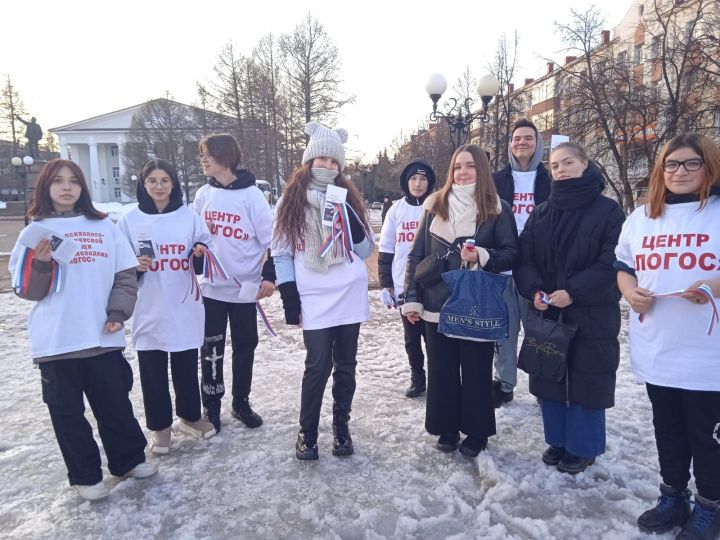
(247, 483)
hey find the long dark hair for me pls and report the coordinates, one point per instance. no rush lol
(41, 205)
(485, 192)
(290, 219)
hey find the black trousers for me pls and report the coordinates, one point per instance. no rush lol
(328, 349)
(106, 380)
(156, 389)
(244, 338)
(687, 427)
(459, 392)
(414, 335)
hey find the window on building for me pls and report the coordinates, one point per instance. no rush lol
(690, 29)
(116, 172)
(655, 47)
(114, 151)
(622, 57)
(638, 54)
(117, 192)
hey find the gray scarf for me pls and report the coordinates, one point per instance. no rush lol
(537, 156)
(315, 232)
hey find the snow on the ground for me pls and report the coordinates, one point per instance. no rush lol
(114, 209)
(247, 483)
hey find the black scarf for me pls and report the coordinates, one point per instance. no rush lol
(566, 206)
(671, 198)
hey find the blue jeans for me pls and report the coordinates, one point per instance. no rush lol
(507, 350)
(579, 430)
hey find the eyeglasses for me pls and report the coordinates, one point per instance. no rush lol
(694, 164)
(163, 182)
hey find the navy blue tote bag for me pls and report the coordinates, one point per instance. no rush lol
(475, 309)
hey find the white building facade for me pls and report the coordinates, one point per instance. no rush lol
(96, 145)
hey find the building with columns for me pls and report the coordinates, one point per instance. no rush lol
(96, 145)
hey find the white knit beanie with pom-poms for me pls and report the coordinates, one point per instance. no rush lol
(325, 142)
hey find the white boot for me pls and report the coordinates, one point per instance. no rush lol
(95, 492)
(142, 470)
(201, 429)
(160, 441)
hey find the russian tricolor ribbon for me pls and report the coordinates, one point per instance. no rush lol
(703, 290)
(21, 281)
(265, 320)
(211, 267)
(340, 236)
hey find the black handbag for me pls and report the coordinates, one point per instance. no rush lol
(545, 347)
(429, 271)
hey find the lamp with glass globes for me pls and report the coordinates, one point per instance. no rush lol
(460, 116)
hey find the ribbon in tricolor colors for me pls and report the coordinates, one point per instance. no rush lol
(211, 268)
(703, 290)
(21, 281)
(340, 236)
(265, 320)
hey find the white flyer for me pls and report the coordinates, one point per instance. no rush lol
(248, 292)
(333, 196)
(144, 244)
(62, 249)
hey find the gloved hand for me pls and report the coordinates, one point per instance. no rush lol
(291, 302)
(356, 229)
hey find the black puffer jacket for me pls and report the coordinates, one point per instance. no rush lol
(505, 184)
(498, 235)
(579, 258)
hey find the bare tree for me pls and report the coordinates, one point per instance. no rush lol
(623, 106)
(311, 63)
(165, 129)
(508, 105)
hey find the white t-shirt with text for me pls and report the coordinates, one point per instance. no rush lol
(167, 317)
(670, 347)
(397, 236)
(74, 318)
(240, 223)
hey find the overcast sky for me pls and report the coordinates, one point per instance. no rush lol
(72, 60)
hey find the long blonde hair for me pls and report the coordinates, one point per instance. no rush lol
(485, 192)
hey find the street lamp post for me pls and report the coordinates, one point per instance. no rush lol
(27, 161)
(365, 170)
(460, 116)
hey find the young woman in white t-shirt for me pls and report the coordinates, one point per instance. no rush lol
(672, 244)
(76, 327)
(325, 294)
(170, 241)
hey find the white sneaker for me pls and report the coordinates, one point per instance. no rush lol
(160, 441)
(143, 470)
(93, 493)
(202, 429)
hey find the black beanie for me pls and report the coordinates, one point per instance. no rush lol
(417, 166)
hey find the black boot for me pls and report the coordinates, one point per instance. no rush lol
(212, 415)
(417, 384)
(448, 442)
(672, 510)
(500, 396)
(242, 410)
(472, 446)
(573, 464)
(553, 455)
(306, 446)
(704, 523)
(342, 441)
